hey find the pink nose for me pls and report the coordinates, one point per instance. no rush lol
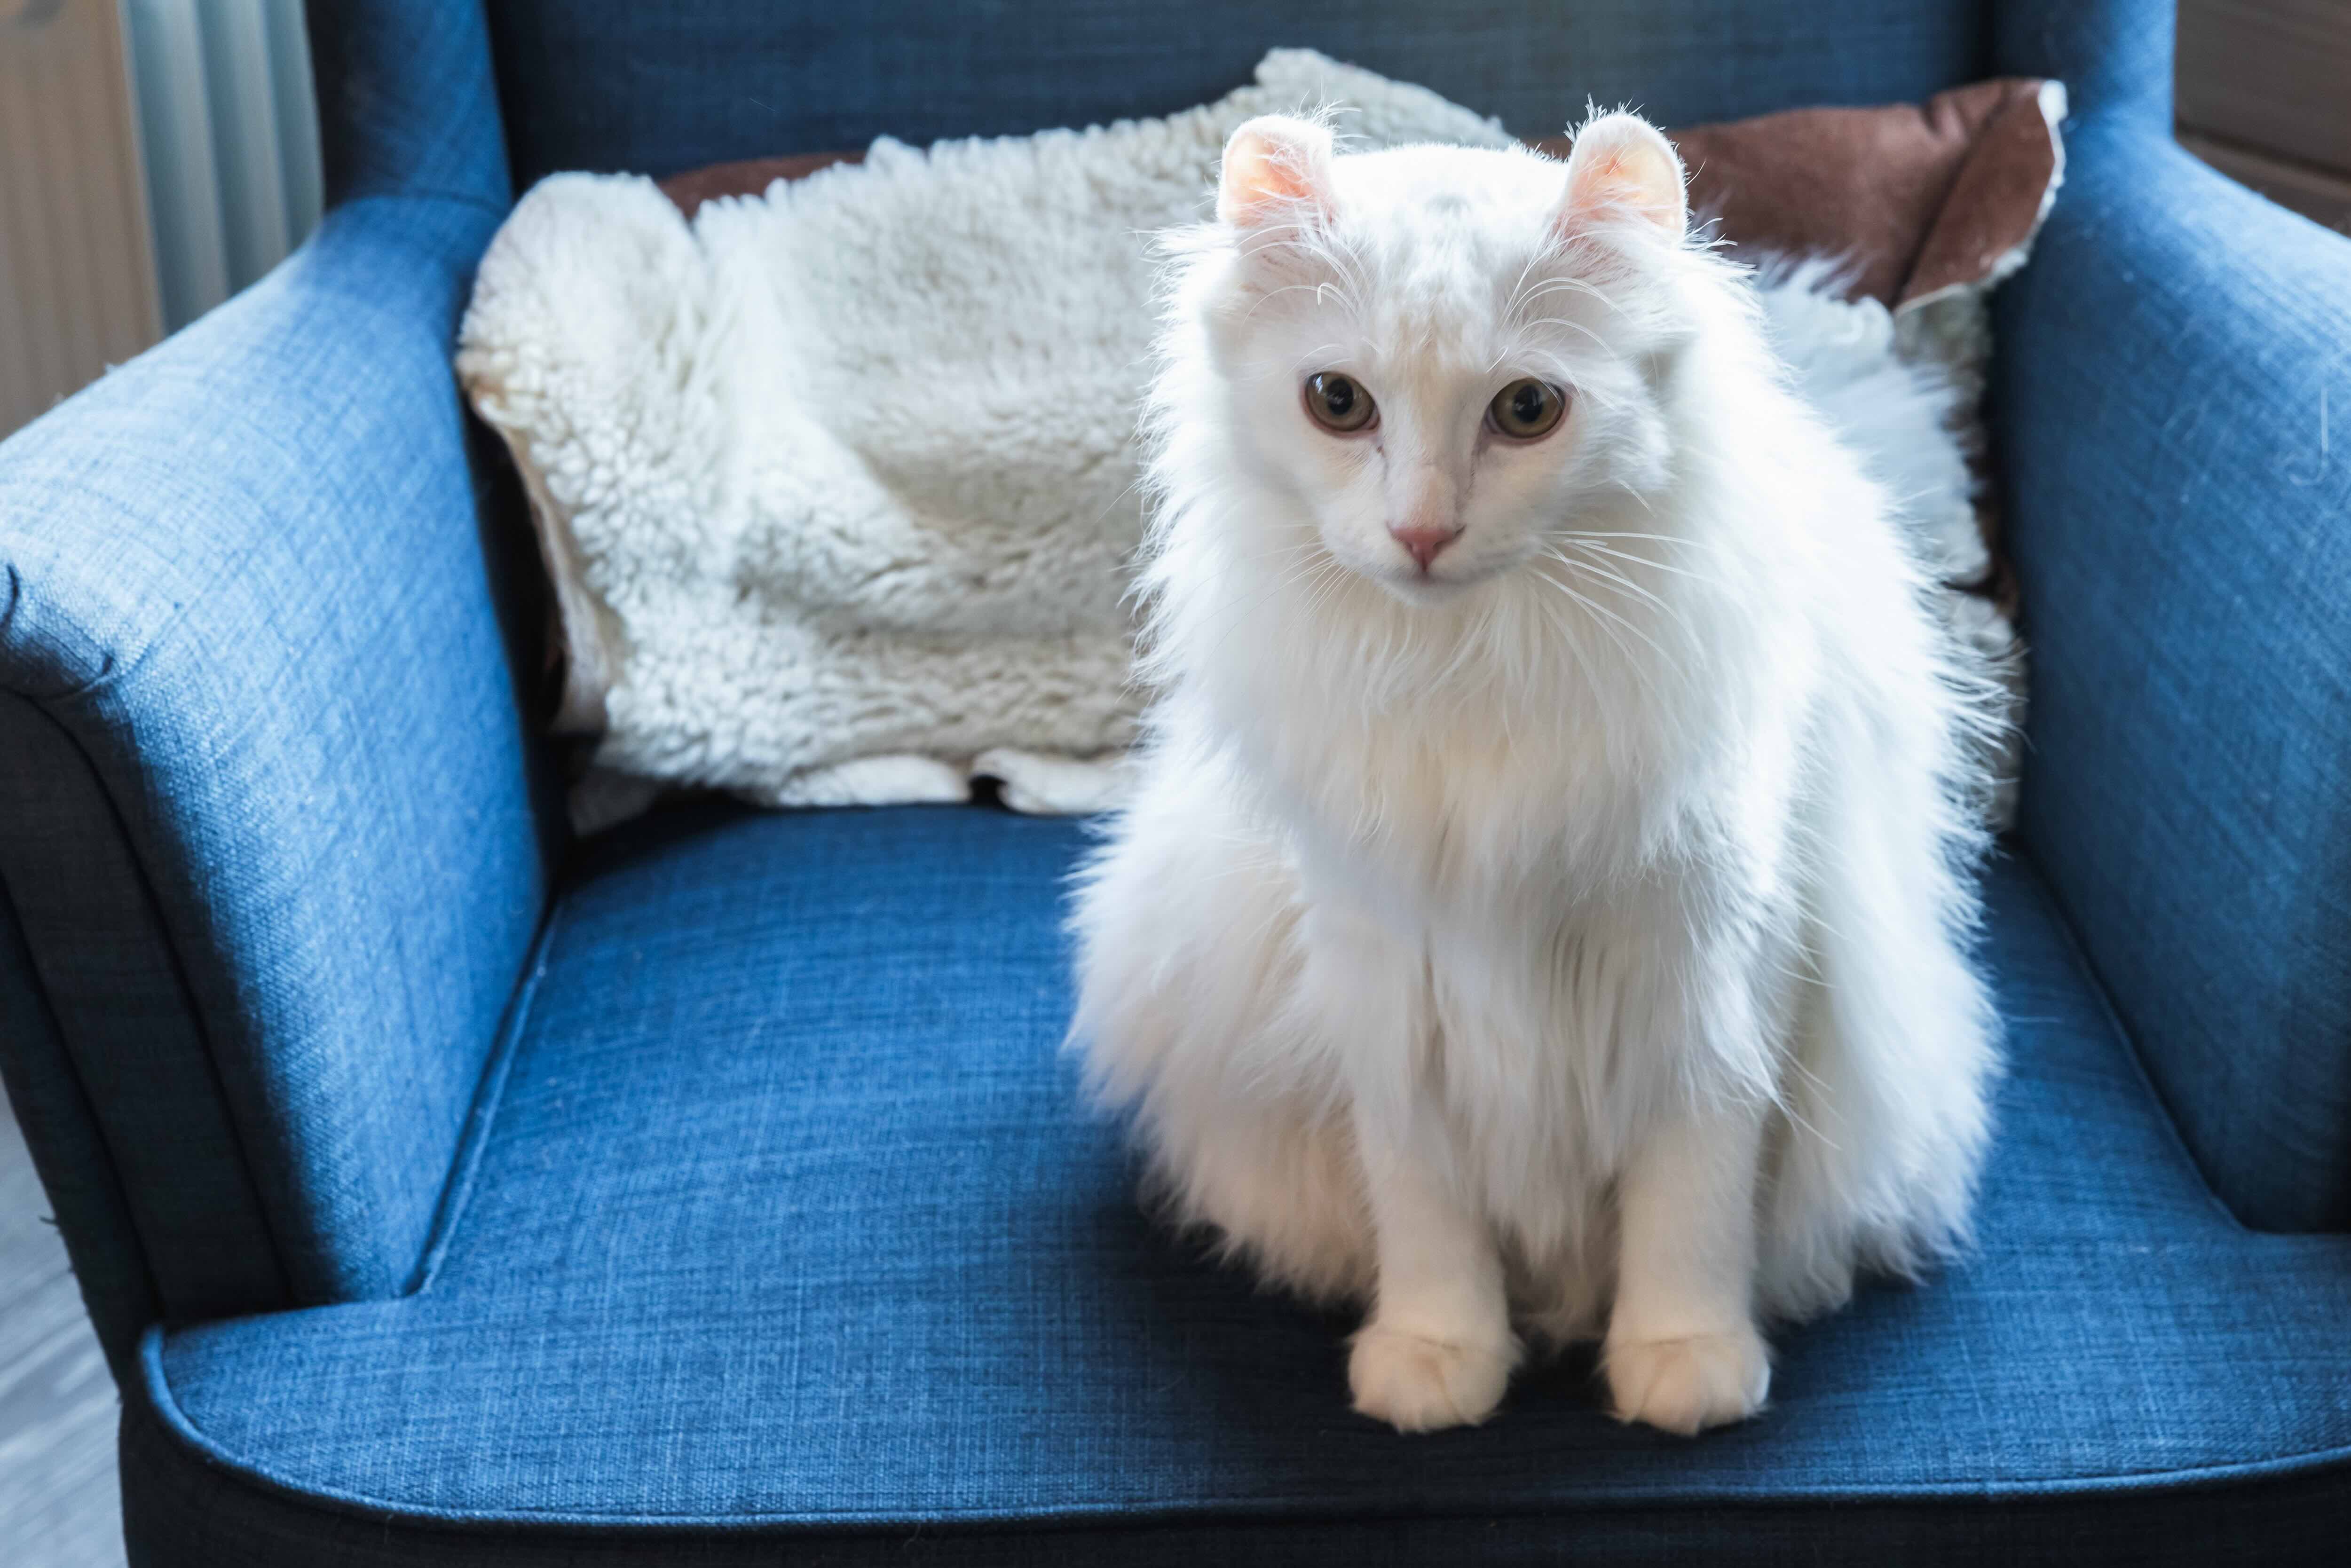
(1424, 542)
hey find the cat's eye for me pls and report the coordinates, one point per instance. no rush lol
(1338, 403)
(1526, 409)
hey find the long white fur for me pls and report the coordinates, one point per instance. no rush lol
(1572, 941)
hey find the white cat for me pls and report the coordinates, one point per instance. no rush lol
(1545, 890)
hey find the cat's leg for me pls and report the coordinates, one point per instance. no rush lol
(1438, 1350)
(1682, 1350)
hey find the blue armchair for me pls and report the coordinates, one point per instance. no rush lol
(712, 1192)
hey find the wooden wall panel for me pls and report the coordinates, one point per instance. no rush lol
(2263, 90)
(77, 268)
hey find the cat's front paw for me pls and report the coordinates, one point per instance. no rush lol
(1687, 1384)
(1416, 1383)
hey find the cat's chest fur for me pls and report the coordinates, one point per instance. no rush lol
(1539, 892)
(1501, 813)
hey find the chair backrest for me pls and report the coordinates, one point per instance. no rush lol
(617, 85)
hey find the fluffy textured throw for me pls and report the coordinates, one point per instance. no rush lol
(836, 484)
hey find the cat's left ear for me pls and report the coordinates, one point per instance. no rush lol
(1623, 166)
(1277, 167)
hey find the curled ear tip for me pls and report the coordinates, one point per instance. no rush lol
(1622, 126)
(1273, 165)
(1278, 128)
(1621, 160)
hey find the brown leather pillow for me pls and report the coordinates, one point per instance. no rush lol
(1919, 197)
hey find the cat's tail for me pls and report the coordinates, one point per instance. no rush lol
(1896, 1043)
(1187, 966)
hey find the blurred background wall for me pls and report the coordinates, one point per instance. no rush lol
(229, 138)
(77, 279)
(2264, 96)
(155, 157)
(158, 155)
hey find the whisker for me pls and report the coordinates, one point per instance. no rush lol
(1570, 285)
(1619, 534)
(1689, 632)
(1575, 542)
(1638, 496)
(1571, 326)
(1599, 609)
(1609, 575)
(1624, 651)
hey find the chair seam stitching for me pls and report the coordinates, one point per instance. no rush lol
(2046, 895)
(481, 1117)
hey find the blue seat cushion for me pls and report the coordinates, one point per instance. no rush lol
(781, 1218)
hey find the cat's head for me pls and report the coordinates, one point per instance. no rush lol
(1438, 357)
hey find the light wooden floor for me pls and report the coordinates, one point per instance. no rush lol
(58, 1505)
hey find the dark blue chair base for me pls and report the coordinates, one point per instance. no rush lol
(781, 1230)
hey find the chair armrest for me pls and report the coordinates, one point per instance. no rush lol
(2173, 408)
(267, 817)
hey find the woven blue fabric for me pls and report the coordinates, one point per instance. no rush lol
(408, 105)
(771, 1214)
(265, 823)
(2113, 56)
(610, 84)
(71, 1155)
(2175, 403)
(787, 1213)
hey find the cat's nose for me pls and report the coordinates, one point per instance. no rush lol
(1424, 540)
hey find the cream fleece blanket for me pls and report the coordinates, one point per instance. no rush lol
(836, 486)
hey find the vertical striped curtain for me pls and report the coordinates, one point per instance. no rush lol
(230, 136)
(77, 292)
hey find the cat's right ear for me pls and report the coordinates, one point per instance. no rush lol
(1276, 170)
(1622, 167)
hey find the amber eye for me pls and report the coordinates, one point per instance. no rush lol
(1526, 409)
(1338, 404)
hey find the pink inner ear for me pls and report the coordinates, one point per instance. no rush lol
(1264, 178)
(1617, 182)
(1632, 176)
